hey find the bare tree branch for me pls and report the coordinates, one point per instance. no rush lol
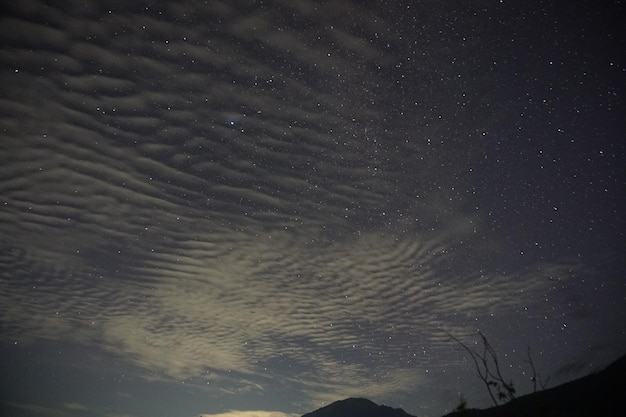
(535, 378)
(488, 369)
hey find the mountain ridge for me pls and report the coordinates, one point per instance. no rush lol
(357, 407)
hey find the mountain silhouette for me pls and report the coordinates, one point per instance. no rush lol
(357, 407)
(602, 394)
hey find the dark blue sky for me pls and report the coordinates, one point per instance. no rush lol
(253, 209)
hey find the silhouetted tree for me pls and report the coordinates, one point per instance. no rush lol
(535, 378)
(462, 404)
(488, 368)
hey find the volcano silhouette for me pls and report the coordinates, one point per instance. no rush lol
(357, 407)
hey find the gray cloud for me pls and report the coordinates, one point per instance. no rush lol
(214, 195)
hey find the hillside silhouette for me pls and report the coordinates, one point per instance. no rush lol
(357, 407)
(601, 394)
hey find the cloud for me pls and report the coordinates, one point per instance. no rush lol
(333, 317)
(76, 406)
(67, 410)
(316, 239)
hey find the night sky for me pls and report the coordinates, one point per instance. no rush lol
(255, 208)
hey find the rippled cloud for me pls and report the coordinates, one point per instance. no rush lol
(212, 194)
